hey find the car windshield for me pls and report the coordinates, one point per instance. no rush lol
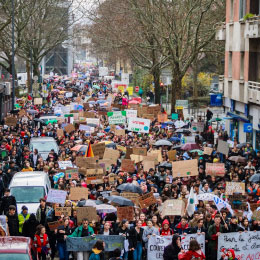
(12, 256)
(27, 194)
(44, 146)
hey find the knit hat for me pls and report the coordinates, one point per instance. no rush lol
(165, 222)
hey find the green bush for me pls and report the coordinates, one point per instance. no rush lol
(248, 16)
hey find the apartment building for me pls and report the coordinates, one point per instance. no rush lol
(241, 83)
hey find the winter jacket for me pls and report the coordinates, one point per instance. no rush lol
(38, 213)
(41, 243)
(6, 202)
(180, 229)
(213, 239)
(192, 254)
(171, 251)
(96, 254)
(13, 225)
(29, 226)
(78, 231)
(135, 237)
(21, 220)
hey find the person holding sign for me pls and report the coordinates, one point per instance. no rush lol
(171, 251)
(194, 252)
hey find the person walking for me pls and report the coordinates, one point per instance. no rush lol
(97, 251)
(13, 223)
(41, 243)
(22, 217)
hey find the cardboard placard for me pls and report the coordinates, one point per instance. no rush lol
(111, 154)
(125, 213)
(238, 202)
(60, 133)
(148, 165)
(173, 208)
(131, 196)
(83, 162)
(86, 212)
(129, 151)
(152, 157)
(147, 200)
(11, 121)
(148, 116)
(22, 113)
(198, 126)
(112, 177)
(172, 155)
(136, 158)
(66, 211)
(140, 151)
(155, 110)
(120, 132)
(208, 150)
(162, 118)
(56, 196)
(95, 176)
(55, 224)
(98, 149)
(77, 193)
(128, 165)
(223, 147)
(72, 174)
(185, 168)
(69, 128)
(37, 101)
(215, 169)
(158, 153)
(235, 187)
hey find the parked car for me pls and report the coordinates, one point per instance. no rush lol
(28, 188)
(44, 145)
(14, 248)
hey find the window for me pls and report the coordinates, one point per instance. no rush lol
(231, 10)
(255, 7)
(27, 194)
(230, 64)
(242, 8)
(242, 59)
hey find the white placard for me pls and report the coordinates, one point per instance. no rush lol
(56, 196)
(69, 94)
(65, 164)
(139, 125)
(94, 121)
(131, 113)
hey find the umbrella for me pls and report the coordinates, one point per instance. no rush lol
(120, 200)
(39, 121)
(179, 124)
(184, 131)
(237, 159)
(129, 187)
(239, 146)
(215, 119)
(104, 208)
(177, 147)
(90, 203)
(197, 151)
(190, 146)
(32, 111)
(96, 87)
(165, 164)
(14, 111)
(169, 123)
(79, 148)
(255, 178)
(133, 102)
(175, 139)
(111, 145)
(163, 142)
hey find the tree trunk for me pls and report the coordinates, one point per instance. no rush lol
(176, 88)
(29, 80)
(157, 88)
(36, 71)
(195, 83)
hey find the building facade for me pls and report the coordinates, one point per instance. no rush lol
(241, 82)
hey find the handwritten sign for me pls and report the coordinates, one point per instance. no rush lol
(172, 155)
(146, 200)
(140, 151)
(235, 187)
(98, 149)
(125, 213)
(95, 176)
(185, 168)
(223, 147)
(208, 150)
(131, 196)
(111, 154)
(215, 169)
(120, 132)
(55, 224)
(69, 128)
(56, 196)
(128, 165)
(72, 174)
(77, 193)
(84, 162)
(38, 101)
(60, 133)
(11, 121)
(162, 118)
(65, 164)
(86, 212)
(147, 165)
(66, 211)
(173, 208)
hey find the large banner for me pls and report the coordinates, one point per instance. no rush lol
(87, 243)
(246, 244)
(156, 244)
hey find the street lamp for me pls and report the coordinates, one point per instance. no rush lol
(13, 66)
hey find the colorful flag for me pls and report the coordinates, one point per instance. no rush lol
(89, 151)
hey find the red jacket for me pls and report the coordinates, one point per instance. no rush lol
(40, 242)
(192, 254)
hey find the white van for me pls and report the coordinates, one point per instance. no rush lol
(28, 188)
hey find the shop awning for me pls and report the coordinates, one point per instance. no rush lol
(238, 117)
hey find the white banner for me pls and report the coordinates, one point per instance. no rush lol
(246, 244)
(116, 117)
(139, 125)
(156, 244)
(94, 121)
(131, 113)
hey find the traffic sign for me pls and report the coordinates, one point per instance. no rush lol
(136, 89)
(248, 128)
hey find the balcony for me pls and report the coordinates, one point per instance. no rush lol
(221, 83)
(254, 92)
(252, 29)
(221, 32)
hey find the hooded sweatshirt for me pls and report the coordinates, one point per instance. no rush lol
(171, 251)
(166, 232)
(193, 254)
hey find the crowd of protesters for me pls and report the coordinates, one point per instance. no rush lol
(206, 219)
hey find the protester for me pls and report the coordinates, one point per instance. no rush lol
(97, 251)
(194, 252)
(22, 217)
(41, 243)
(172, 251)
(136, 240)
(13, 222)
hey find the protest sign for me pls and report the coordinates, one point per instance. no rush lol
(66, 211)
(121, 148)
(238, 203)
(172, 155)
(148, 116)
(156, 244)
(69, 128)
(98, 149)
(245, 244)
(147, 165)
(83, 162)
(72, 174)
(198, 126)
(86, 212)
(131, 113)
(95, 176)
(11, 121)
(106, 164)
(65, 164)
(235, 187)
(129, 151)
(120, 132)
(111, 154)
(185, 168)
(175, 116)
(131, 196)
(55, 224)
(154, 109)
(89, 114)
(215, 169)
(173, 208)
(116, 117)
(77, 244)
(56, 196)
(223, 147)
(37, 101)
(60, 133)
(146, 200)
(140, 151)
(128, 165)
(77, 193)
(139, 125)
(125, 213)
(161, 117)
(156, 153)
(208, 151)
(69, 94)
(112, 178)
(136, 158)
(22, 113)
(94, 121)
